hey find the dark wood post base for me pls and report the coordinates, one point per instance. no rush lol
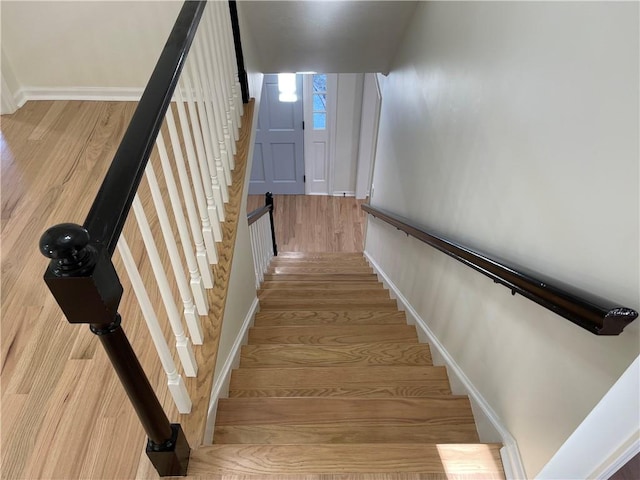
(172, 457)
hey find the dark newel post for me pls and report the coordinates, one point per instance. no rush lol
(85, 284)
(269, 202)
(242, 73)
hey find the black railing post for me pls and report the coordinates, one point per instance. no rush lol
(84, 282)
(268, 197)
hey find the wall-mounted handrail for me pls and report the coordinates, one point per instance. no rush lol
(595, 314)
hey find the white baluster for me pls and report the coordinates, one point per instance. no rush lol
(198, 240)
(205, 152)
(216, 98)
(183, 345)
(189, 309)
(214, 41)
(196, 181)
(252, 238)
(229, 139)
(174, 380)
(229, 48)
(209, 87)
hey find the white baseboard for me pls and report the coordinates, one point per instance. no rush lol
(512, 463)
(108, 94)
(343, 193)
(220, 387)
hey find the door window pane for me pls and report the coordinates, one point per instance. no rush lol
(319, 102)
(320, 82)
(319, 121)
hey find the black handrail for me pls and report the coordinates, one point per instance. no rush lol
(595, 314)
(113, 201)
(255, 215)
(237, 44)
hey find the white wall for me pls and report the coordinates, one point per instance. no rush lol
(242, 291)
(513, 126)
(347, 136)
(61, 45)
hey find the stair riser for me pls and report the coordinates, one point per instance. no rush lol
(298, 335)
(449, 410)
(440, 461)
(381, 390)
(357, 355)
(311, 295)
(385, 305)
(321, 277)
(332, 433)
(346, 318)
(329, 287)
(336, 378)
(332, 270)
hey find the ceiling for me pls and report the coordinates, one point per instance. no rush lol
(325, 36)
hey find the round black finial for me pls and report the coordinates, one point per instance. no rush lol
(67, 244)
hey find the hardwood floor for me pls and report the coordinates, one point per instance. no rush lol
(64, 413)
(313, 223)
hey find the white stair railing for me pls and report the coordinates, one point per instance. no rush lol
(262, 238)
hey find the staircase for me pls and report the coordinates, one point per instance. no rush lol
(333, 381)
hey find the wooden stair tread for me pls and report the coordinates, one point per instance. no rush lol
(458, 432)
(333, 334)
(322, 277)
(312, 295)
(358, 354)
(328, 317)
(320, 285)
(339, 377)
(344, 411)
(445, 459)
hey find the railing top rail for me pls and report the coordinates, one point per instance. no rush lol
(597, 315)
(257, 213)
(113, 201)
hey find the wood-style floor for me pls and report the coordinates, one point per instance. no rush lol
(316, 223)
(64, 413)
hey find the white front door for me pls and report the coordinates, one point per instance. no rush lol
(320, 102)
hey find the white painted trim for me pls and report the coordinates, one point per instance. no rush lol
(105, 94)
(9, 104)
(606, 439)
(631, 450)
(512, 463)
(220, 386)
(344, 193)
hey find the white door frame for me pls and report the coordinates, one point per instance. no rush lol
(328, 135)
(371, 103)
